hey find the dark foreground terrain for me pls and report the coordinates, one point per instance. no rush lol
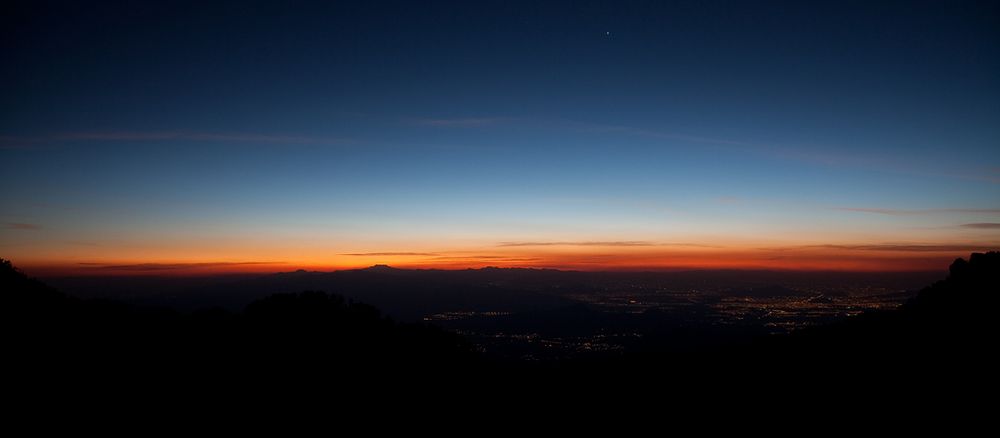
(313, 342)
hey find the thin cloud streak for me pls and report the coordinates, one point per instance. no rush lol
(144, 267)
(625, 243)
(690, 245)
(796, 154)
(153, 136)
(616, 243)
(487, 258)
(385, 254)
(22, 226)
(814, 156)
(14, 143)
(192, 136)
(982, 225)
(900, 212)
(460, 122)
(908, 247)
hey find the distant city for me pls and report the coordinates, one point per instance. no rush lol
(537, 314)
(627, 306)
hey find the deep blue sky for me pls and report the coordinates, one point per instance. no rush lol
(146, 132)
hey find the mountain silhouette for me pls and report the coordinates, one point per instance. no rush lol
(941, 336)
(309, 337)
(382, 269)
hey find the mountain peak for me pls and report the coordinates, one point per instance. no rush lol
(380, 268)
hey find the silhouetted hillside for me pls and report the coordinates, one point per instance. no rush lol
(278, 340)
(946, 332)
(308, 338)
(405, 295)
(971, 291)
(949, 320)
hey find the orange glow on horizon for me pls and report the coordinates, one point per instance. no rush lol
(805, 258)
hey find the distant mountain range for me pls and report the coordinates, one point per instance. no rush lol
(410, 294)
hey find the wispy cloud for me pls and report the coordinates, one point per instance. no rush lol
(639, 132)
(983, 225)
(801, 154)
(811, 154)
(385, 254)
(608, 243)
(487, 258)
(907, 247)
(193, 136)
(471, 122)
(21, 226)
(470, 257)
(145, 267)
(614, 243)
(901, 212)
(691, 245)
(8, 142)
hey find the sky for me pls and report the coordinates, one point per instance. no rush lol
(192, 138)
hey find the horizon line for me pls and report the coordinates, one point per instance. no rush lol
(194, 272)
